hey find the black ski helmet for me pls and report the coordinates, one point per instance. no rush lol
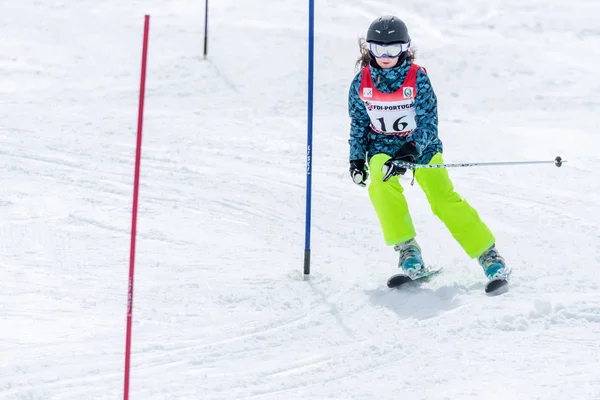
(388, 29)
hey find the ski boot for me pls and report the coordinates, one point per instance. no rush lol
(493, 264)
(495, 269)
(410, 261)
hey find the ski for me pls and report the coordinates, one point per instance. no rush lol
(398, 280)
(493, 287)
(496, 286)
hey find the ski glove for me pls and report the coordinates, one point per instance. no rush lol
(408, 152)
(358, 172)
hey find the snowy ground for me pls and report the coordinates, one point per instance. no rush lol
(220, 310)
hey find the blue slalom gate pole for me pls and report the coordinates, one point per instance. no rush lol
(311, 50)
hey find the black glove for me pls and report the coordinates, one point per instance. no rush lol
(408, 152)
(358, 172)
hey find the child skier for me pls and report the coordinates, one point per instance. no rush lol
(393, 111)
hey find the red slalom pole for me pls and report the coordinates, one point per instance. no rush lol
(136, 185)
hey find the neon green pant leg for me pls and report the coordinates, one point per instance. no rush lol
(390, 204)
(460, 218)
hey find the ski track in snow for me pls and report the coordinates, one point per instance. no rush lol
(220, 310)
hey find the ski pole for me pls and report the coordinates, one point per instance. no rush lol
(558, 161)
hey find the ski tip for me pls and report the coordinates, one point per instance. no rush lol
(397, 280)
(496, 287)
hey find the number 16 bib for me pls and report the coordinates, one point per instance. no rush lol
(390, 113)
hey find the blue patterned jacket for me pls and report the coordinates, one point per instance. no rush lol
(365, 143)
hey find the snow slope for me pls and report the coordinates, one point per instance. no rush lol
(220, 310)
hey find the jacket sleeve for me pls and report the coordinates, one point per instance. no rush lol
(359, 122)
(426, 109)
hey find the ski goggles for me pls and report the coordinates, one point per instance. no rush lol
(388, 50)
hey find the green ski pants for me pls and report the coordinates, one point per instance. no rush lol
(460, 218)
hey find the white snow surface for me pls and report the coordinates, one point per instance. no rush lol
(220, 307)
